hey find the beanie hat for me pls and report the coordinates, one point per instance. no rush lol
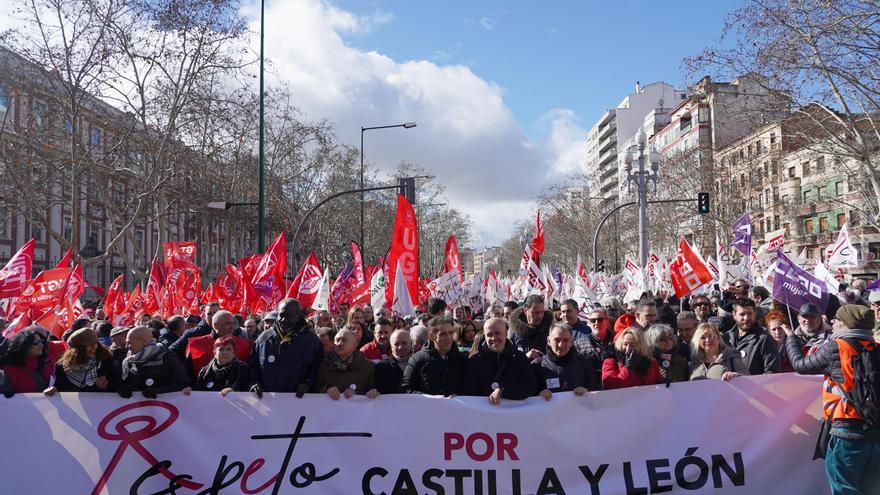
(82, 338)
(856, 316)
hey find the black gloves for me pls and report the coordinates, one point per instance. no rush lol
(124, 391)
(302, 390)
(638, 363)
(149, 393)
(9, 393)
(257, 389)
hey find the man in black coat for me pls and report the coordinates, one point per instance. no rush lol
(562, 369)
(438, 369)
(499, 370)
(149, 367)
(389, 371)
(752, 341)
(203, 328)
(529, 327)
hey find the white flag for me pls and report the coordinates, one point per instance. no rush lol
(377, 289)
(402, 302)
(842, 253)
(322, 298)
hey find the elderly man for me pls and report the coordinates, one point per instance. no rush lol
(389, 371)
(327, 336)
(251, 328)
(203, 328)
(437, 369)
(323, 319)
(174, 329)
(757, 348)
(149, 367)
(287, 357)
(853, 452)
(419, 334)
(498, 370)
(812, 329)
(378, 348)
(529, 327)
(562, 369)
(200, 350)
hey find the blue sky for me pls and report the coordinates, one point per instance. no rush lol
(579, 55)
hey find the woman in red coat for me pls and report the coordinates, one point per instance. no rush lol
(28, 367)
(632, 364)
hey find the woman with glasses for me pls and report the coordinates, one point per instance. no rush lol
(28, 367)
(661, 340)
(631, 364)
(712, 358)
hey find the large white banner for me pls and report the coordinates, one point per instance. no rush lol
(747, 436)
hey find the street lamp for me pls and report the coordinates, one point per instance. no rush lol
(405, 125)
(261, 215)
(641, 177)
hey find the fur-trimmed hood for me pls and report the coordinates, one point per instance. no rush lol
(519, 327)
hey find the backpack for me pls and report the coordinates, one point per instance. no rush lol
(865, 393)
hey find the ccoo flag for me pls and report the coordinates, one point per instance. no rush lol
(795, 286)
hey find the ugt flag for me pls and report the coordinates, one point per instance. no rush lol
(688, 271)
(795, 286)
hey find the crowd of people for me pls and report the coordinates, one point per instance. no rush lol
(507, 352)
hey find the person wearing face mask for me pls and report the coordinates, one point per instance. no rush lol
(631, 364)
(225, 372)
(562, 369)
(287, 356)
(498, 370)
(438, 369)
(389, 371)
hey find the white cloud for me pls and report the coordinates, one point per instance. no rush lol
(487, 23)
(568, 141)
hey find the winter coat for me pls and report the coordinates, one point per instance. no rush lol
(616, 375)
(167, 337)
(162, 373)
(238, 378)
(32, 377)
(282, 366)
(674, 367)
(812, 342)
(510, 369)
(372, 351)
(361, 374)
(389, 376)
(429, 373)
(526, 337)
(200, 351)
(105, 369)
(566, 373)
(179, 345)
(757, 349)
(580, 336)
(726, 360)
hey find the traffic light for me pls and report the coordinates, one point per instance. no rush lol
(407, 187)
(600, 266)
(703, 202)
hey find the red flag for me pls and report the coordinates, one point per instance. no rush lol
(359, 295)
(404, 251)
(113, 293)
(249, 265)
(134, 306)
(45, 291)
(307, 282)
(268, 278)
(153, 296)
(180, 254)
(538, 240)
(359, 273)
(65, 260)
(453, 262)
(687, 271)
(17, 272)
(75, 284)
(210, 294)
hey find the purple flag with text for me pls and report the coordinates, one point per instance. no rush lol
(795, 286)
(742, 235)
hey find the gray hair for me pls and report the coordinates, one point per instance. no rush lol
(562, 326)
(345, 331)
(609, 302)
(419, 334)
(657, 330)
(328, 331)
(397, 333)
(686, 315)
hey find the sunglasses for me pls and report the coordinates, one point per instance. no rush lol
(595, 320)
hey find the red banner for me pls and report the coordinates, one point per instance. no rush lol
(17, 272)
(45, 291)
(359, 273)
(65, 260)
(538, 240)
(687, 270)
(113, 294)
(180, 254)
(268, 278)
(453, 261)
(404, 251)
(307, 282)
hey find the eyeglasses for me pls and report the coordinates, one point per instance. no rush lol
(700, 304)
(595, 320)
(665, 338)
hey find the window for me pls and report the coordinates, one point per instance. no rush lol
(838, 188)
(853, 217)
(4, 101)
(805, 167)
(38, 114)
(791, 173)
(4, 222)
(742, 180)
(787, 227)
(67, 227)
(823, 224)
(775, 193)
(841, 219)
(874, 248)
(741, 153)
(683, 96)
(758, 149)
(808, 226)
(772, 138)
(820, 164)
(37, 231)
(685, 123)
(776, 223)
(96, 138)
(750, 150)
(806, 196)
(786, 199)
(821, 192)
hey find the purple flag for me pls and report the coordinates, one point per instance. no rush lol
(874, 285)
(557, 275)
(794, 286)
(742, 235)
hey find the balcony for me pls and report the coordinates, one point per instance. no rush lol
(607, 143)
(608, 130)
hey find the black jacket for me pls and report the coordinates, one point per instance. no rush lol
(163, 373)
(179, 345)
(757, 348)
(283, 366)
(527, 337)
(428, 373)
(105, 369)
(167, 338)
(238, 378)
(389, 376)
(562, 374)
(510, 369)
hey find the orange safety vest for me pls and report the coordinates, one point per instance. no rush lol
(835, 404)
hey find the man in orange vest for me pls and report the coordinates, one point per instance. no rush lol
(200, 350)
(853, 451)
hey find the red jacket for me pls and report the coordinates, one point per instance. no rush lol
(200, 350)
(616, 375)
(372, 352)
(28, 379)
